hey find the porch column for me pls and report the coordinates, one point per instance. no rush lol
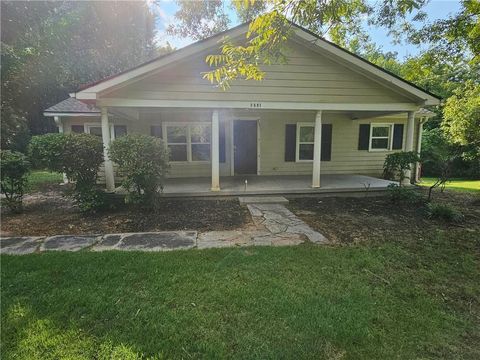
(59, 123)
(419, 148)
(215, 152)
(409, 142)
(317, 150)
(109, 177)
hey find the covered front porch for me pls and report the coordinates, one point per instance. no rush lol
(262, 185)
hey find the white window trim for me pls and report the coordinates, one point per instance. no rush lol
(87, 126)
(189, 139)
(297, 141)
(390, 136)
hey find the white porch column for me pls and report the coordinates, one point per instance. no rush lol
(317, 150)
(419, 148)
(109, 176)
(409, 142)
(59, 123)
(215, 152)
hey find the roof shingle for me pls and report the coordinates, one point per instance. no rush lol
(72, 105)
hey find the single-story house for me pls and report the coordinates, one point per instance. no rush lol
(325, 112)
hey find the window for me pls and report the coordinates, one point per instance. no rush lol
(94, 130)
(156, 131)
(119, 131)
(78, 129)
(381, 136)
(188, 142)
(305, 141)
(116, 131)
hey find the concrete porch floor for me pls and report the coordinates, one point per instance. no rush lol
(262, 185)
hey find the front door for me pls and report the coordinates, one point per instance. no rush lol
(245, 147)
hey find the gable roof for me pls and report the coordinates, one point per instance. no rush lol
(305, 36)
(71, 106)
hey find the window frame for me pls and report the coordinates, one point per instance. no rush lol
(88, 126)
(189, 142)
(297, 141)
(389, 137)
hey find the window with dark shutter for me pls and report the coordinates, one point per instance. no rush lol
(326, 154)
(290, 141)
(78, 129)
(397, 137)
(221, 143)
(156, 130)
(363, 136)
(119, 131)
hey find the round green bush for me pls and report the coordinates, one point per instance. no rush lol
(14, 168)
(143, 161)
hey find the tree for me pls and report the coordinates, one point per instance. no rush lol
(462, 116)
(50, 48)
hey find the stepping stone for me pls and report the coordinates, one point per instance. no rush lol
(244, 200)
(157, 241)
(68, 242)
(19, 245)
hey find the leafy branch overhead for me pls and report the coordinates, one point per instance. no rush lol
(342, 21)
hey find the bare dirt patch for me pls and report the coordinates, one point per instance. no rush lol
(50, 213)
(358, 219)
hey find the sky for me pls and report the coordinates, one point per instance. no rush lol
(165, 10)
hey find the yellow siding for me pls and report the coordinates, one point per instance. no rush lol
(306, 77)
(345, 158)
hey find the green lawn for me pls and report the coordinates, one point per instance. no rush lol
(455, 184)
(39, 178)
(398, 299)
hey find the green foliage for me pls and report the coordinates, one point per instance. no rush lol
(143, 161)
(79, 156)
(444, 212)
(401, 194)
(462, 116)
(46, 151)
(397, 163)
(14, 130)
(14, 168)
(49, 48)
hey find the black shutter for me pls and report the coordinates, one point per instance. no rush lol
(363, 137)
(326, 154)
(156, 130)
(397, 136)
(221, 144)
(119, 130)
(78, 129)
(290, 141)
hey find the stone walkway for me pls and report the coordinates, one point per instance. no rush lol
(273, 225)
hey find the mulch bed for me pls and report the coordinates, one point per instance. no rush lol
(50, 213)
(348, 220)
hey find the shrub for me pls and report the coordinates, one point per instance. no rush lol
(401, 194)
(79, 156)
(444, 212)
(14, 170)
(143, 161)
(397, 163)
(46, 151)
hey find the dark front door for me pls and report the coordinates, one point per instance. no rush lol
(245, 146)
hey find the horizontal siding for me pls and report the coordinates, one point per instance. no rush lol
(345, 159)
(306, 77)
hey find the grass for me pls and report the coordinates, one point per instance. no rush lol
(39, 178)
(467, 185)
(398, 299)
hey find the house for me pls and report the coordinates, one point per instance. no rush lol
(325, 112)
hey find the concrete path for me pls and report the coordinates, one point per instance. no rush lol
(273, 225)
